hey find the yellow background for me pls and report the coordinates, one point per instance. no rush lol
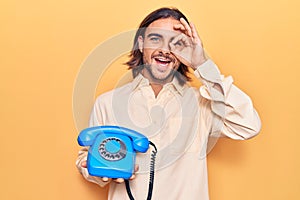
(43, 44)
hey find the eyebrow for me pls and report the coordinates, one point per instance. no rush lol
(154, 34)
(157, 35)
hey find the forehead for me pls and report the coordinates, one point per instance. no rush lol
(165, 26)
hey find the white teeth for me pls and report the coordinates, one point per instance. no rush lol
(163, 59)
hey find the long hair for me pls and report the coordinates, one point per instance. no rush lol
(136, 57)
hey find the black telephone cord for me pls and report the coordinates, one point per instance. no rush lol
(151, 179)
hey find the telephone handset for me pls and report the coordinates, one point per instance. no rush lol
(112, 150)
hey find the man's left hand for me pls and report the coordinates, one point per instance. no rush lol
(187, 47)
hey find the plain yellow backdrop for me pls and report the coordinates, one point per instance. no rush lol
(44, 43)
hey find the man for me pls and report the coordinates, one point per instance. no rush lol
(179, 119)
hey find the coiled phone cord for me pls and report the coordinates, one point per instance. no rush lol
(151, 179)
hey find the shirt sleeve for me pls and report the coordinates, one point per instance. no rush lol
(95, 120)
(233, 113)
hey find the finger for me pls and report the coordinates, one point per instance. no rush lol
(177, 53)
(180, 40)
(132, 177)
(186, 26)
(119, 180)
(105, 179)
(136, 168)
(83, 164)
(195, 34)
(179, 27)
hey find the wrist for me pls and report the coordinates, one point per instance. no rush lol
(198, 64)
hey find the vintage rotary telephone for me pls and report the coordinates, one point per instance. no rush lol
(112, 152)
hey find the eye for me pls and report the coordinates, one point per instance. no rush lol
(154, 39)
(179, 43)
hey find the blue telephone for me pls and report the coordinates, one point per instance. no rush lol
(112, 150)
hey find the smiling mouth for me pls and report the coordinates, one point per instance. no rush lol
(162, 60)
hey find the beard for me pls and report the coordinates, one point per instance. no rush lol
(157, 70)
(157, 76)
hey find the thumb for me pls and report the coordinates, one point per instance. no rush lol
(136, 168)
(83, 164)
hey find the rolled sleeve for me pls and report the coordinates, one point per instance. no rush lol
(230, 106)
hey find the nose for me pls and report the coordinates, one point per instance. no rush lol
(165, 48)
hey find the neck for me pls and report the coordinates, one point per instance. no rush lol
(156, 84)
(156, 87)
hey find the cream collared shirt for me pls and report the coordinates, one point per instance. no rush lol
(180, 120)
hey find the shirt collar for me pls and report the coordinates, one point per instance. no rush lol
(140, 81)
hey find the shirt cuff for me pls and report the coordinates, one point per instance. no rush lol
(209, 71)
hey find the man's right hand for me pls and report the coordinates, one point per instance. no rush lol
(117, 180)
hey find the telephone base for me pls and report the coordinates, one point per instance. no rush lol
(109, 173)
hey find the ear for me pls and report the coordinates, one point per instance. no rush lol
(141, 43)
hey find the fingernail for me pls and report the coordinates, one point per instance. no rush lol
(104, 179)
(120, 180)
(132, 177)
